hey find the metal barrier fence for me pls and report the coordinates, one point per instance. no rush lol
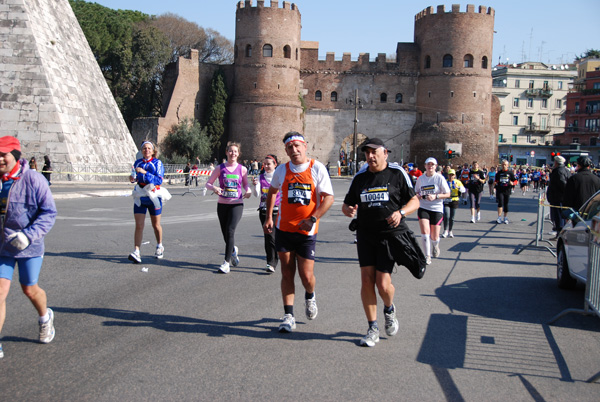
(539, 229)
(109, 173)
(591, 305)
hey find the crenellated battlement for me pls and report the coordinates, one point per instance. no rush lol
(261, 4)
(312, 63)
(441, 10)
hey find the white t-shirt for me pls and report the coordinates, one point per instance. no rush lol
(319, 174)
(435, 184)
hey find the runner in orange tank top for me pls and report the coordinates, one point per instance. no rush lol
(307, 194)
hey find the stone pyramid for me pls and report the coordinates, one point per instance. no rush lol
(53, 96)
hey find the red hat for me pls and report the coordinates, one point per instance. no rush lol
(8, 144)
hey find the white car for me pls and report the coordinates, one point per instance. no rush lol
(573, 244)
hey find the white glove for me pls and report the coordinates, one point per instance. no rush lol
(18, 240)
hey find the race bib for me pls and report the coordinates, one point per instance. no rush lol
(299, 193)
(428, 189)
(375, 195)
(231, 186)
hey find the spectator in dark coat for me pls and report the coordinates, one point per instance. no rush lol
(582, 185)
(556, 191)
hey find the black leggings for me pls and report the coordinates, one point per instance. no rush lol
(271, 252)
(502, 198)
(229, 217)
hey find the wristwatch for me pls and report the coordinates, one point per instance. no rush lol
(313, 219)
(402, 213)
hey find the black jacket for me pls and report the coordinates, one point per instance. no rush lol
(580, 187)
(558, 182)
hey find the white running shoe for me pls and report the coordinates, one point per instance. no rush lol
(436, 251)
(371, 338)
(47, 328)
(478, 216)
(235, 260)
(427, 260)
(311, 308)
(506, 220)
(288, 324)
(499, 220)
(444, 235)
(1, 352)
(451, 235)
(270, 269)
(391, 322)
(472, 219)
(224, 268)
(159, 253)
(135, 257)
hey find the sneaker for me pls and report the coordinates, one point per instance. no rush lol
(288, 324)
(135, 257)
(444, 235)
(235, 260)
(499, 220)
(451, 235)
(391, 322)
(224, 268)
(270, 269)
(311, 308)
(159, 252)
(506, 220)
(436, 251)
(1, 352)
(371, 338)
(478, 216)
(427, 260)
(47, 328)
(472, 219)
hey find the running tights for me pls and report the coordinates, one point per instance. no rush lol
(229, 217)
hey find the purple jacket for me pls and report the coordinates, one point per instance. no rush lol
(31, 210)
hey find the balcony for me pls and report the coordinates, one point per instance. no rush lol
(541, 92)
(536, 129)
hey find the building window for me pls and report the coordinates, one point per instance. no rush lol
(575, 140)
(558, 123)
(544, 123)
(531, 84)
(500, 137)
(267, 50)
(596, 85)
(529, 103)
(591, 124)
(296, 53)
(383, 98)
(546, 86)
(515, 102)
(248, 51)
(514, 138)
(559, 85)
(287, 52)
(429, 94)
(529, 121)
(398, 98)
(447, 61)
(544, 103)
(515, 120)
(334, 96)
(468, 61)
(427, 61)
(576, 107)
(484, 62)
(559, 103)
(517, 83)
(318, 96)
(452, 94)
(593, 141)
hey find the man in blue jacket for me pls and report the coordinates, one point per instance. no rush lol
(27, 213)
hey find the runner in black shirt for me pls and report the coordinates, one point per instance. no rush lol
(504, 183)
(382, 194)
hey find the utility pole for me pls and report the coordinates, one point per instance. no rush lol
(355, 139)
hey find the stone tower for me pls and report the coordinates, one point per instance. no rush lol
(53, 96)
(265, 103)
(454, 91)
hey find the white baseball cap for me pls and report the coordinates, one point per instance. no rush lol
(431, 160)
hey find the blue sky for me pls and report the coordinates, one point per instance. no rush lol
(526, 30)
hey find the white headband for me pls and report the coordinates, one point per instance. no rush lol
(147, 142)
(294, 138)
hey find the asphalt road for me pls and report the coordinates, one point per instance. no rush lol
(474, 328)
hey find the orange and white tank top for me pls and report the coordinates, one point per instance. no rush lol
(298, 200)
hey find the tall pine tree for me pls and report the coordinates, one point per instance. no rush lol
(216, 109)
